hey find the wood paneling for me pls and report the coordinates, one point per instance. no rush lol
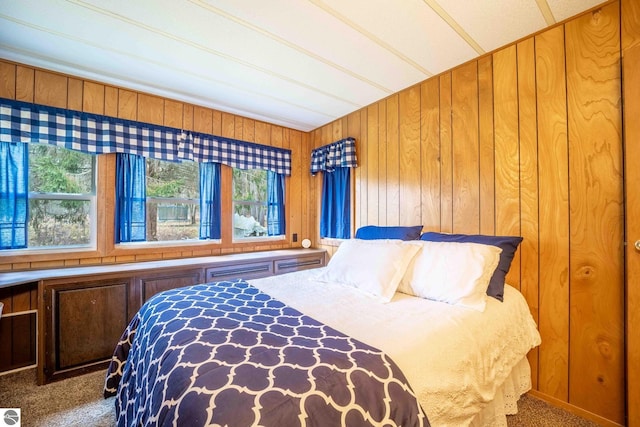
(632, 192)
(430, 154)
(373, 150)
(553, 214)
(446, 156)
(527, 141)
(486, 139)
(392, 144)
(529, 205)
(409, 153)
(596, 228)
(50, 89)
(465, 150)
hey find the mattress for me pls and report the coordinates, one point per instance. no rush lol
(457, 360)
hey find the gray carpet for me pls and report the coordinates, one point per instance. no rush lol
(78, 402)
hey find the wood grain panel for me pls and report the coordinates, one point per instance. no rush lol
(293, 186)
(631, 64)
(74, 95)
(529, 185)
(216, 117)
(505, 92)
(363, 168)
(127, 104)
(630, 23)
(446, 156)
(173, 114)
(554, 214)
(150, 109)
(393, 162)
(353, 130)
(25, 77)
(596, 229)
(373, 150)
(276, 137)
(248, 130)
(50, 89)
(465, 149)
(409, 128)
(382, 163)
(228, 126)
(7, 80)
(430, 154)
(93, 98)
(239, 127)
(263, 133)
(487, 146)
(202, 120)
(111, 101)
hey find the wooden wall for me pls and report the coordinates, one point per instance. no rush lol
(25, 83)
(524, 141)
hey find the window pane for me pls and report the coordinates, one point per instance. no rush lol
(249, 203)
(173, 200)
(58, 170)
(59, 222)
(61, 197)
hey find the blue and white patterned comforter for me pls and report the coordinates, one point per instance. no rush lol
(228, 354)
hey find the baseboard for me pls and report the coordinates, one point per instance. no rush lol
(574, 409)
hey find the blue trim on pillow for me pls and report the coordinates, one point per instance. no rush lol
(508, 244)
(374, 232)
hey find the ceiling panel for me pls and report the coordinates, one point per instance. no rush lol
(296, 63)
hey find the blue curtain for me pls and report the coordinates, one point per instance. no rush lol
(131, 195)
(335, 215)
(14, 195)
(210, 200)
(275, 204)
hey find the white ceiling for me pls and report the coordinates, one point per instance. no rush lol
(296, 63)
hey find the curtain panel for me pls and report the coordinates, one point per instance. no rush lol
(98, 134)
(210, 201)
(334, 161)
(14, 195)
(335, 215)
(131, 198)
(337, 154)
(275, 204)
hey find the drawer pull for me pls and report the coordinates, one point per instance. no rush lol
(238, 270)
(298, 263)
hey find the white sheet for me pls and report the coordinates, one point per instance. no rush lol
(456, 359)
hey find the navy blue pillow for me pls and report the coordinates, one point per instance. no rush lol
(508, 244)
(374, 232)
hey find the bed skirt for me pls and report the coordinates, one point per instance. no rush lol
(506, 399)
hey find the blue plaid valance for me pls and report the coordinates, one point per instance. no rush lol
(98, 134)
(337, 154)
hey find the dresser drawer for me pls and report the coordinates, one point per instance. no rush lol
(253, 270)
(287, 265)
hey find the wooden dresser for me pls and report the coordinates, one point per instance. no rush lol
(83, 311)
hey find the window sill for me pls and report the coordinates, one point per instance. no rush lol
(165, 244)
(259, 239)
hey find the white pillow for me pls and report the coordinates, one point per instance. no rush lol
(373, 266)
(452, 272)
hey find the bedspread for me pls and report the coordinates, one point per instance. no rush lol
(228, 354)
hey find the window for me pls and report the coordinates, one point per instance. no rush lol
(173, 200)
(249, 203)
(62, 198)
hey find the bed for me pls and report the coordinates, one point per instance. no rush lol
(367, 340)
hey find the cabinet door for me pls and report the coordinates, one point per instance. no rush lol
(151, 284)
(302, 262)
(83, 323)
(246, 271)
